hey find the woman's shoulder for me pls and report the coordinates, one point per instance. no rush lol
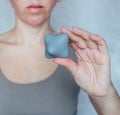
(4, 40)
(4, 37)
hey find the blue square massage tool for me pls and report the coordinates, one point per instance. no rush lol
(56, 45)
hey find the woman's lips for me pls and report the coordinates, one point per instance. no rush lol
(35, 6)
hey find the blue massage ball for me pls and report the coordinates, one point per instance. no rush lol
(56, 45)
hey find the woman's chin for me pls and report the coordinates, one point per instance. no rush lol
(35, 21)
(34, 24)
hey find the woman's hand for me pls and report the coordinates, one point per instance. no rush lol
(92, 69)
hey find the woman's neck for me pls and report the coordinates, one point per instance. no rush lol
(26, 34)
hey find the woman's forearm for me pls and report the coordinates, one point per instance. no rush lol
(108, 104)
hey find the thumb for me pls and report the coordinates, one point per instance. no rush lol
(68, 63)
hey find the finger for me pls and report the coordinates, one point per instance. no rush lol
(80, 32)
(68, 63)
(79, 58)
(99, 40)
(74, 38)
(76, 49)
(86, 35)
(74, 46)
(91, 44)
(102, 47)
(83, 55)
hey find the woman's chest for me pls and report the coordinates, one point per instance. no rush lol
(25, 64)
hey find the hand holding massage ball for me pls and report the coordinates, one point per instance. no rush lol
(56, 45)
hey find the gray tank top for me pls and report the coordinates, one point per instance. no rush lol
(56, 95)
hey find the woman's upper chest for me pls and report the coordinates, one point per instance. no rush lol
(26, 62)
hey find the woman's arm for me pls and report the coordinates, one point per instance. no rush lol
(92, 70)
(108, 104)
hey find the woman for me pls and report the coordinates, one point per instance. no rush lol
(32, 84)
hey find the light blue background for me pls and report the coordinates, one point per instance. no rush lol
(96, 16)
